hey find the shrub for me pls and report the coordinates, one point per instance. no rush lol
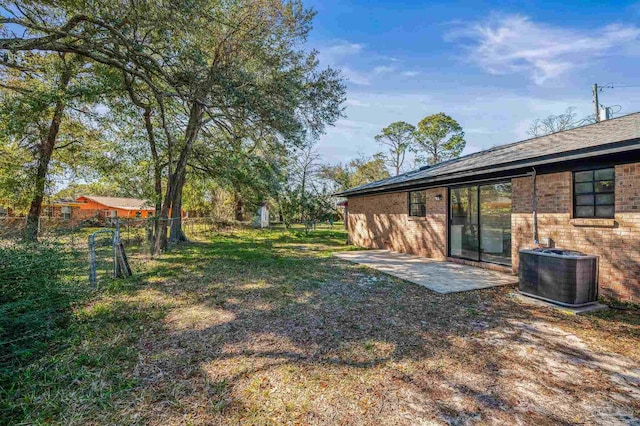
(35, 297)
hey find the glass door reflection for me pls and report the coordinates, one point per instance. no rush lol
(463, 228)
(480, 223)
(495, 223)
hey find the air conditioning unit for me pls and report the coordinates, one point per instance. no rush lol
(564, 277)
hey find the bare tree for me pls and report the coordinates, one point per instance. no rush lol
(556, 123)
(307, 164)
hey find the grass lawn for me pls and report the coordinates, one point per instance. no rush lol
(266, 327)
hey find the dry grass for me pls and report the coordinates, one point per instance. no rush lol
(268, 328)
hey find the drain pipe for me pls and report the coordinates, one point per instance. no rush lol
(535, 210)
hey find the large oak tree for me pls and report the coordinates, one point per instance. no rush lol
(220, 65)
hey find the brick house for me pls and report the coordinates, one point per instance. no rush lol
(113, 207)
(577, 189)
(65, 209)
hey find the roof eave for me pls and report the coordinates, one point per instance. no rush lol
(622, 146)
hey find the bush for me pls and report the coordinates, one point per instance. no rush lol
(35, 297)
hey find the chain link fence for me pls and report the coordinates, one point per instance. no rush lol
(94, 239)
(40, 282)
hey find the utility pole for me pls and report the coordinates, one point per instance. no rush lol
(596, 106)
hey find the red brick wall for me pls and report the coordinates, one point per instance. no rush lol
(628, 188)
(617, 242)
(382, 221)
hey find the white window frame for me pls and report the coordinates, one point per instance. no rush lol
(65, 212)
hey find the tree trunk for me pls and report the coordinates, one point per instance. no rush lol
(45, 151)
(239, 208)
(157, 172)
(177, 234)
(157, 167)
(175, 182)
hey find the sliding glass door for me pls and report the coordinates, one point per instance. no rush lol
(495, 223)
(480, 222)
(463, 228)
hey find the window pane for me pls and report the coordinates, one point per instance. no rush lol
(594, 187)
(604, 186)
(604, 174)
(604, 199)
(584, 176)
(418, 197)
(584, 211)
(584, 200)
(582, 188)
(417, 203)
(604, 211)
(418, 210)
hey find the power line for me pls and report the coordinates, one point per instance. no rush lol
(601, 87)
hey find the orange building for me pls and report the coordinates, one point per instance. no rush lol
(113, 207)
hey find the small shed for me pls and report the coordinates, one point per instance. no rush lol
(262, 218)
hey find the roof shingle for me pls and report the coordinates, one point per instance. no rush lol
(121, 203)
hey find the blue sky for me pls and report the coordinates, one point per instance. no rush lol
(493, 66)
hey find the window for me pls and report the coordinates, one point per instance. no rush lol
(138, 214)
(66, 212)
(593, 193)
(418, 203)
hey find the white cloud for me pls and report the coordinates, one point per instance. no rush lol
(338, 51)
(383, 69)
(358, 66)
(516, 44)
(356, 77)
(340, 55)
(356, 102)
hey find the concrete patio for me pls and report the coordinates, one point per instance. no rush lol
(439, 276)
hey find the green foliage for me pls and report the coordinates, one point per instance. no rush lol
(398, 137)
(35, 297)
(27, 270)
(438, 138)
(224, 88)
(230, 169)
(204, 197)
(29, 95)
(366, 171)
(15, 178)
(103, 187)
(357, 172)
